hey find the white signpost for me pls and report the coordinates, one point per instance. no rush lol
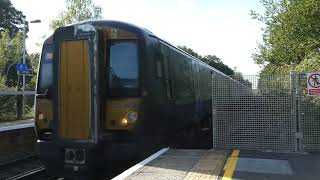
(313, 81)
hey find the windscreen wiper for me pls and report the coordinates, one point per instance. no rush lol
(114, 74)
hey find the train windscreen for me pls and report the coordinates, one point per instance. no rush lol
(123, 72)
(46, 70)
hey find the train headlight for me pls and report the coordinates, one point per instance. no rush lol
(132, 116)
(124, 122)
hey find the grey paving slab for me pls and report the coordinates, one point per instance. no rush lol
(303, 166)
(271, 166)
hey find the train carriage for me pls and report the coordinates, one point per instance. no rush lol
(110, 90)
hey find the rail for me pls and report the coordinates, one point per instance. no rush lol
(29, 173)
(28, 166)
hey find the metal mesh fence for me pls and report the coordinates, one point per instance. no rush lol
(254, 113)
(309, 117)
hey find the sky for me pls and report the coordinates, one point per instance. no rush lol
(217, 27)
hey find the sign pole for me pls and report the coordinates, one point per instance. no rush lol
(24, 62)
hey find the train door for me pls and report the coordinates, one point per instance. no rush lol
(167, 70)
(195, 70)
(75, 85)
(74, 89)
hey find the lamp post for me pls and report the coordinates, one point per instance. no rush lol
(24, 59)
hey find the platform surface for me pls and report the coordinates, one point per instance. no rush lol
(12, 125)
(182, 164)
(253, 165)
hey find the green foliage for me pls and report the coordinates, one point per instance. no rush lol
(10, 18)
(291, 42)
(10, 48)
(216, 62)
(77, 10)
(239, 77)
(11, 42)
(190, 51)
(10, 54)
(291, 35)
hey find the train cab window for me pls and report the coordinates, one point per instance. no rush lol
(46, 70)
(123, 70)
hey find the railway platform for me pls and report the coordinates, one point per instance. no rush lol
(187, 164)
(252, 165)
(14, 125)
(178, 164)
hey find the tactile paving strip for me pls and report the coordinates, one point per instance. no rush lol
(180, 164)
(209, 166)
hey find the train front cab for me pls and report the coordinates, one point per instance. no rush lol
(78, 113)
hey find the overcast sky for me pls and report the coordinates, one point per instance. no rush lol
(220, 27)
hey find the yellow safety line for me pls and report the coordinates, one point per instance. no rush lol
(235, 153)
(231, 166)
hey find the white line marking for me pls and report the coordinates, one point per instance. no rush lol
(14, 127)
(131, 170)
(183, 157)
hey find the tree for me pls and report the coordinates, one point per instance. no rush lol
(11, 54)
(10, 49)
(77, 10)
(291, 36)
(190, 51)
(212, 60)
(10, 17)
(216, 62)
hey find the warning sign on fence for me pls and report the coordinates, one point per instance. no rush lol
(313, 80)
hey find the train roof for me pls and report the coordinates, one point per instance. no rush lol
(140, 31)
(118, 24)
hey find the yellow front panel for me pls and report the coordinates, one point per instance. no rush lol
(74, 90)
(116, 110)
(43, 113)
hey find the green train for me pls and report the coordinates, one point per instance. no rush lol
(108, 90)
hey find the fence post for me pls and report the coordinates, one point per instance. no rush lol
(296, 108)
(293, 92)
(298, 124)
(212, 111)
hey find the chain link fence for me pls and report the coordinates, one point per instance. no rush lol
(267, 113)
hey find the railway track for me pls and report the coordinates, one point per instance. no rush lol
(31, 174)
(28, 167)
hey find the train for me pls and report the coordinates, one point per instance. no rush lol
(109, 90)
